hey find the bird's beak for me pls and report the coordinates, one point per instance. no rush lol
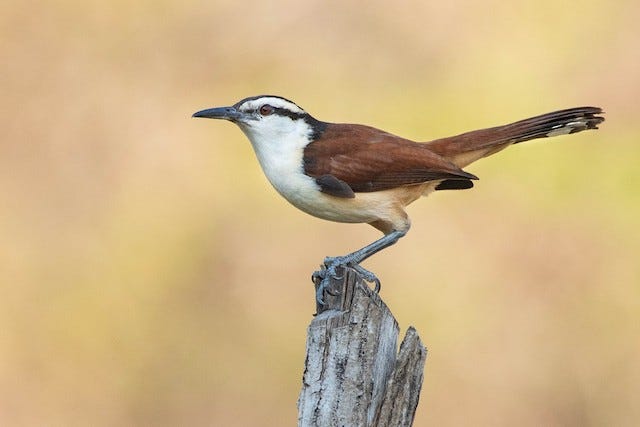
(225, 113)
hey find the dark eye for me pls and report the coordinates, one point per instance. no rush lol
(266, 109)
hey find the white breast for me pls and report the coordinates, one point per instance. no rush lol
(280, 150)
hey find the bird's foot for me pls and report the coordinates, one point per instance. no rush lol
(329, 269)
(321, 279)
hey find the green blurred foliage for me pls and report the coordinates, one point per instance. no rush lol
(150, 276)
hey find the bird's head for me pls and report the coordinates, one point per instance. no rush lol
(267, 118)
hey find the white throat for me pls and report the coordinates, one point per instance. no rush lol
(279, 144)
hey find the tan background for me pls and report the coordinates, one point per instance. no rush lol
(150, 276)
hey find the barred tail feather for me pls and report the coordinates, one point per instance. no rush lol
(471, 146)
(562, 122)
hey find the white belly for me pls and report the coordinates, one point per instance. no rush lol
(303, 192)
(386, 206)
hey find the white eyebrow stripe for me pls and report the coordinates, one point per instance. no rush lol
(273, 101)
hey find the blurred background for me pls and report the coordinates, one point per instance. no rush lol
(149, 275)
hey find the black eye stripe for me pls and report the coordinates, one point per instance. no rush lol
(288, 113)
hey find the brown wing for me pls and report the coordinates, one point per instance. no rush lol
(366, 159)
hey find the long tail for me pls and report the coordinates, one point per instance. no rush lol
(471, 146)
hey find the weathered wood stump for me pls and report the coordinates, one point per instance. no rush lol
(353, 374)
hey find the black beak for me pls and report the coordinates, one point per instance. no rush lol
(225, 113)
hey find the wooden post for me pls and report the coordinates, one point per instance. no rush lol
(353, 375)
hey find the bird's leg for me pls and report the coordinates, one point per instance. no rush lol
(353, 260)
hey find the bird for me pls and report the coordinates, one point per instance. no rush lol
(353, 173)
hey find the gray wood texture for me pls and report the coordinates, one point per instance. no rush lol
(354, 374)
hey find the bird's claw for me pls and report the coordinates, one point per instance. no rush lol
(321, 278)
(328, 270)
(317, 276)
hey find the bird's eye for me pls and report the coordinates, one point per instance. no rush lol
(266, 109)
